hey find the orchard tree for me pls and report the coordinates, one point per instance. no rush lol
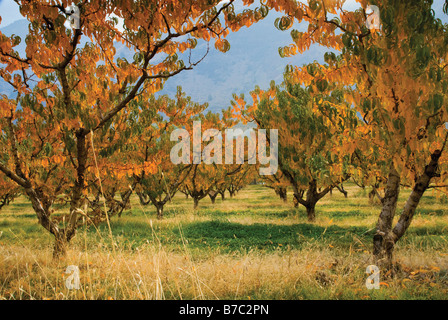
(396, 79)
(123, 157)
(201, 181)
(240, 178)
(8, 191)
(160, 186)
(278, 183)
(313, 136)
(206, 154)
(72, 83)
(220, 182)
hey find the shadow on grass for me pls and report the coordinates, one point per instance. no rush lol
(231, 236)
(347, 214)
(218, 213)
(432, 212)
(227, 236)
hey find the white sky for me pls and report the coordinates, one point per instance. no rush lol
(9, 11)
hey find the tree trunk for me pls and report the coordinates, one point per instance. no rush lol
(213, 194)
(371, 195)
(144, 199)
(311, 212)
(297, 194)
(295, 201)
(60, 247)
(383, 241)
(223, 195)
(125, 202)
(311, 199)
(386, 238)
(77, 200)
(374, 193)
(282, 193)
(342, 190)
(159, 208)
(196, 203)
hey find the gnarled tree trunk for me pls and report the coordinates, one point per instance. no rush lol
(213, 194)
(159, 207)
(383, 241)
(282, 193)
(312, 197)
(342, 190)
(385, 238)
(196, 203)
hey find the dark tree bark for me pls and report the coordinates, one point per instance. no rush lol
(195, 203)
(374, 193)
(385, 237)
(312, 195)
(197, 196)
(7, 198)
(311, 212)
(213, 194)
(282, 193)
(159, 203)
(159, 207)
(143, 198)
(383, 241)
(342, 190)
(295, 201)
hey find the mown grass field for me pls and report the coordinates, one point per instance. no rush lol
(253, 246)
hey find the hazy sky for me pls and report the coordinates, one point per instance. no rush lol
(9, 11)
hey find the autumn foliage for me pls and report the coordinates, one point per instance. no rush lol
(86, 126)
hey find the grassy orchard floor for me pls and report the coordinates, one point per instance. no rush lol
(251, 247)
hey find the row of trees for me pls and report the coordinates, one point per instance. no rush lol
(71, 118)
(85, 121)
(376, 109)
